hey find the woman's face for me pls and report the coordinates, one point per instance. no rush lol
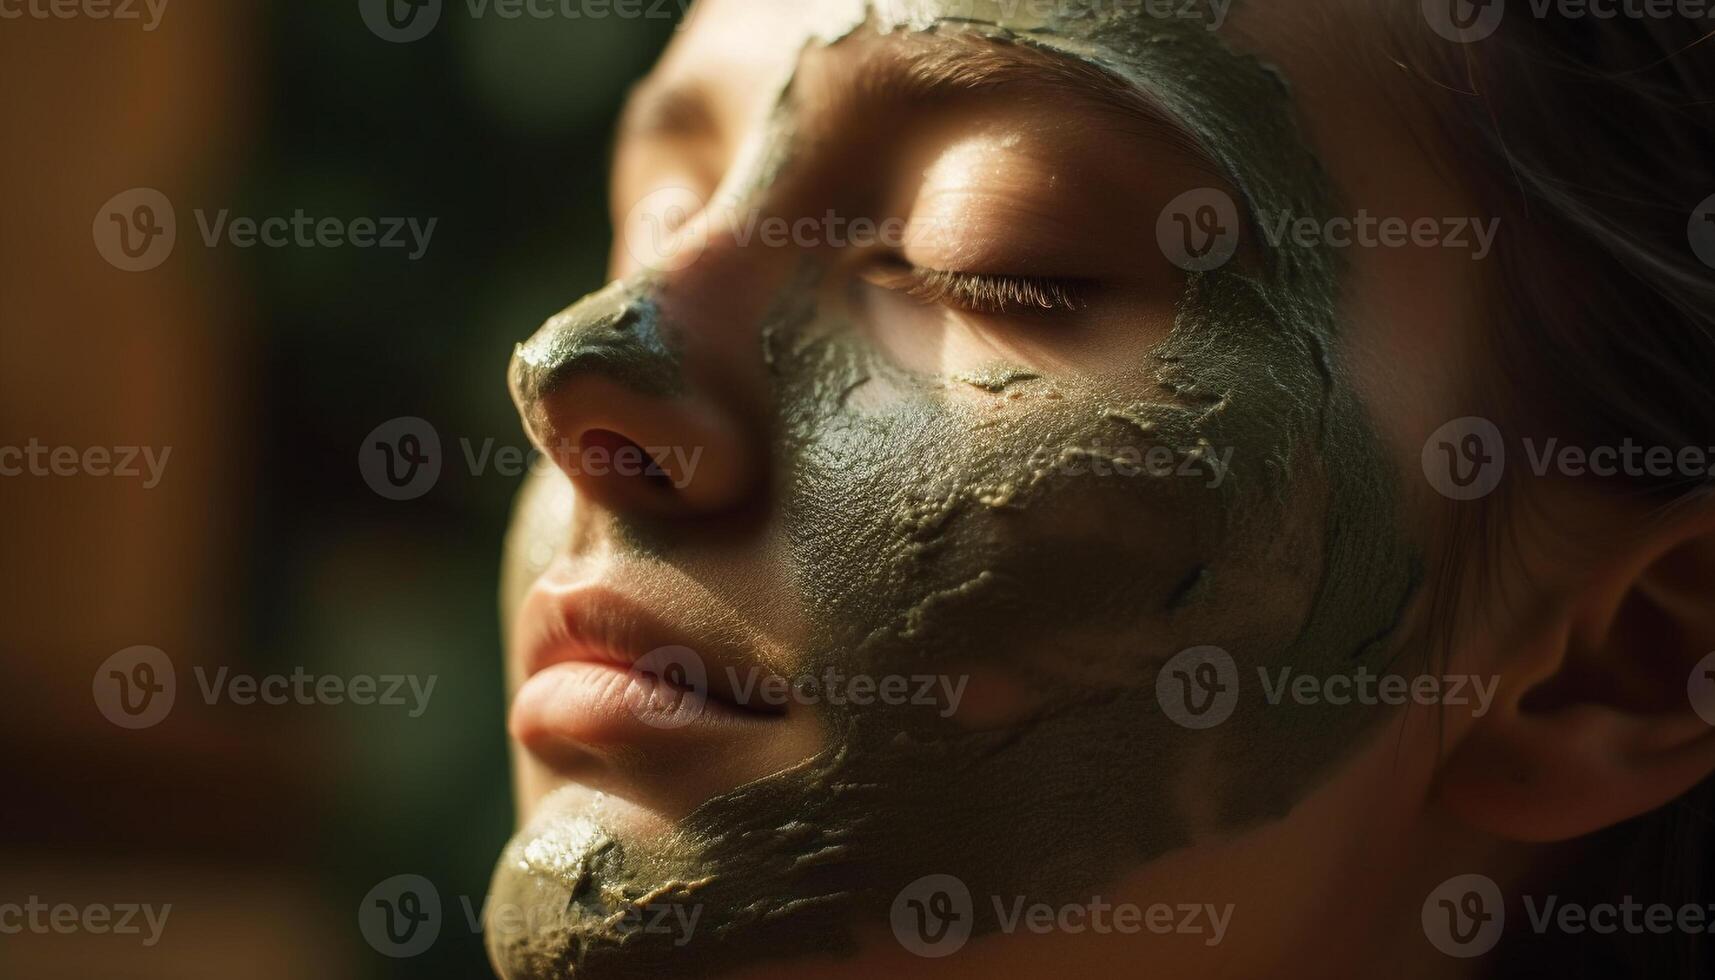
(1008, 472)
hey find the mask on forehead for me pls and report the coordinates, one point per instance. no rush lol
(989, 527)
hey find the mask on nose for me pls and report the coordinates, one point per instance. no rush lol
(616, 334)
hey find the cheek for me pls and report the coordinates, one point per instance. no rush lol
(1028, 525)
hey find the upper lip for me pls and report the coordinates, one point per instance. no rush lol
(596, 624)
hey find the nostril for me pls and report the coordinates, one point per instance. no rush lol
(629, 317)
(607, 454)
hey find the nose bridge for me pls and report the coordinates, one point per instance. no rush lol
(670, 362)
(695, 324)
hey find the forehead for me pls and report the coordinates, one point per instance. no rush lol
(745, 41)
(731, 63)
(1244, 76)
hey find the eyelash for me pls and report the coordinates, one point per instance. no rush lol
(987, 294)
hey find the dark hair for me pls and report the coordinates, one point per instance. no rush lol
(1593, 140)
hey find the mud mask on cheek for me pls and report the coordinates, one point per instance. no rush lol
(970, 531)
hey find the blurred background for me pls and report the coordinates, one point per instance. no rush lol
(262, 379)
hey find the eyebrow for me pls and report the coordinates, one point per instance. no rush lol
(977, 63)
(936, 67)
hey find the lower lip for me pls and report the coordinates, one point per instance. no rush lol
(583, 705)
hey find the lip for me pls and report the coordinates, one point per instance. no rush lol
(601, 675)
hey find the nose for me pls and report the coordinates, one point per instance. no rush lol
(605, 390)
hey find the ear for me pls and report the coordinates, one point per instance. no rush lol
(1611, 709)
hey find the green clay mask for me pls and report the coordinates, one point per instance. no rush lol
(953, 525)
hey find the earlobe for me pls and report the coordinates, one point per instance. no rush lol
(1611, 713)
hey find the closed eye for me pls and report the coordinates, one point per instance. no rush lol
(982, 293)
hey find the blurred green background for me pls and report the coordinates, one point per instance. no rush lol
(265, 369)
(500, 129)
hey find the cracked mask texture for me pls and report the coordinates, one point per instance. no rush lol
(952, 525)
